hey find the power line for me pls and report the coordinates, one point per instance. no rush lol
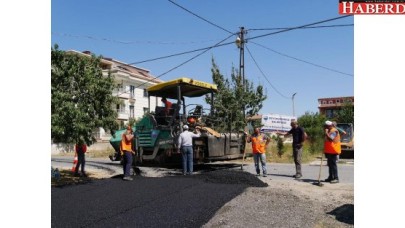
(265, 77)
(309, 27)
(268, 34)
(181, 53)
(201, 18)
(170, 70)
(298, 27)
(132, 42)
(313, 64)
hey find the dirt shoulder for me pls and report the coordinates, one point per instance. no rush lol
(289, 204)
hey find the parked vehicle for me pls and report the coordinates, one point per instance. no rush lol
(347, 140)
(157, 132)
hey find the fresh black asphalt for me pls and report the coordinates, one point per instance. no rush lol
(173, 201)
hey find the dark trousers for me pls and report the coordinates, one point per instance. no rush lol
(80, 162)
(332, 164)
(297, 154)
(127, 163)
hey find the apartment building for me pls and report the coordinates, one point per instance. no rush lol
(330, 106)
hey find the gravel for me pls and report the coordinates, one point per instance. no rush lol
(289, 204)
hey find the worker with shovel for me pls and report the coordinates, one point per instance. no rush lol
(332, 149)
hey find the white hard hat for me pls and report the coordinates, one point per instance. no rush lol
(185, 127)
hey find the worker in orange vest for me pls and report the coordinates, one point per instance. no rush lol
(332, 149)
(127, 152)
(168, 105)
(259, 142)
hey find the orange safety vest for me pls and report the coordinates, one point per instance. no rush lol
(125, 144)
(258, 144)
(332, 146)
(168, 105)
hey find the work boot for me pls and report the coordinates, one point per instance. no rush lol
(328, 179)
(334, 181)
(297, 176)
(127, 178)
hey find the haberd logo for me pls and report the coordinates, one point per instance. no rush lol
(372, 7)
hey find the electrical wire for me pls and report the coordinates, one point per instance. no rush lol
(132, 42)
(201, 17)
(264, 75)
(304, 61)
(181, 53)
(268, 34)
(170, 70)
(298, 27)
(308, 27)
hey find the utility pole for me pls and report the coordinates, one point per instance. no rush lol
(293, 103)
(240, 42)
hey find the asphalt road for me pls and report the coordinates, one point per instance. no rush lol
(172, 200)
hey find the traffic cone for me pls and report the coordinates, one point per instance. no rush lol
(74, 163)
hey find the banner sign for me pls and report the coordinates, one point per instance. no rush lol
(276, 123)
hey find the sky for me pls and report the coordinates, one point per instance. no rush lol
(28, 29)
(313, 63)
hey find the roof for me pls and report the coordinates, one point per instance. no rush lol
(189, 88)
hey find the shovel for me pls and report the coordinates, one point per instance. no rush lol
(320, 171)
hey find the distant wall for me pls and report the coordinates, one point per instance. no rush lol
(61, 148)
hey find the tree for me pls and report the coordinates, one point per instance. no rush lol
(280, 146)
(313, 124)
(81, 98)
(346, 114)
(234, 95)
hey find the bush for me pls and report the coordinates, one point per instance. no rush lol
(280, 146)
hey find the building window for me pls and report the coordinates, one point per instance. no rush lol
(330, 102)
(145, 93)
(337, 101)
(132, 91)
(121, 108)
(120, 87)
(324, 102)
(131, 111)
(329, 113)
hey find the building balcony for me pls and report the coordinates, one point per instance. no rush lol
(121, 93)
(122, 115)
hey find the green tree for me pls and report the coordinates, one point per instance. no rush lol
(280, 146)
(81, 98)
(346, 114)
(234, 94)
(313, 124)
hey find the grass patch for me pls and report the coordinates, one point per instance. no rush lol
(91, 154)
(287, 156)
(67, 178)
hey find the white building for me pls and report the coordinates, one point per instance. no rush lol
(131, 89)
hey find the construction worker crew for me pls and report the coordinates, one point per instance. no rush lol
(127, 152)
(185, 143)
(259, 143)
(80, 149)
(168, 105)
(298, 135)
(332, 149)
